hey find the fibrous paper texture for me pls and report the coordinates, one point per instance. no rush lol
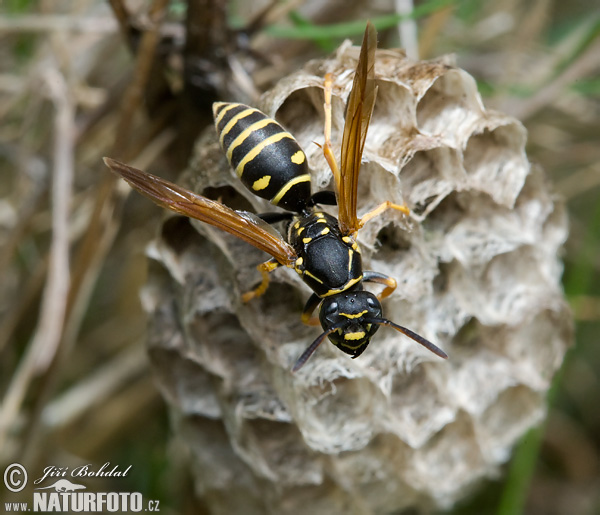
(478, 274)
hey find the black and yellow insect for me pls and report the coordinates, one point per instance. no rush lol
(266, 158)
(320, 248)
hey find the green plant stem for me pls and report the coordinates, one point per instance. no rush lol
(354, 28)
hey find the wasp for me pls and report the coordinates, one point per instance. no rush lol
(322, 249)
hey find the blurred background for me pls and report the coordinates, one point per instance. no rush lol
(135, 80)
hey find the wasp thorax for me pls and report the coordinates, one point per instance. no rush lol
(350, 313)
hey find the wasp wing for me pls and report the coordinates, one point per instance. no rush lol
(243, 225)
(358, 115)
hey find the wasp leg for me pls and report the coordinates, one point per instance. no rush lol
(311, 304)
(375, 277)
(380, 209)
(264, 269)
(327, 151)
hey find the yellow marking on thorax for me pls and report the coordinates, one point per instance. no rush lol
(261, 183)
(298, 158)
(325, 231)
(222, 112)
(300, 231)
(348, 239)
(259, 148)
(299, 262)
(292, 182)
(256, 126)
(349, 284)
(306, 272)
(356, 315)
(234, 120)
(306, 240)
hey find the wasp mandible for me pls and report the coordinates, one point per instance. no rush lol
(322, 249)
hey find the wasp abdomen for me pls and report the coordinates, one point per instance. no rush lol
(266, 157)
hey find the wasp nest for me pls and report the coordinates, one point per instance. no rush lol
(478, 274)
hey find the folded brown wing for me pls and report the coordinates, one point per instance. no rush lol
(245, 226)
(358, 115)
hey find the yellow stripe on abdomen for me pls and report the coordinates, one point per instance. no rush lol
(259, 148)
(222, 108)
(261, 124)
(234, 121)
(290, 184)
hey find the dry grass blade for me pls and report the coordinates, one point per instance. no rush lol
(584, 66)
(407, 28)
(103, 224)
(95, 389)
(47, 337)
(57, 23)
(134, 93)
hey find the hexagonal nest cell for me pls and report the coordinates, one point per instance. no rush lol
(478, 272)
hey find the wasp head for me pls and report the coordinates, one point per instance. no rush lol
(349, 314)
(350, 319)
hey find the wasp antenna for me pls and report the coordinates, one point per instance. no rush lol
(313, 347)
(412, 335)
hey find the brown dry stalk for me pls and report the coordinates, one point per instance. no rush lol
(46, 339)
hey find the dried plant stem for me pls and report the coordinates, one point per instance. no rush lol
(133, 95)
(56, 23)
(30, 291)
(104, 222)
(97, 388)
(580, 182)
(65, 301)
(26, 212)
(121, 15)
(585, 65)
(431, 29)
(407, 28)
(532, 24)
(46, 339)
(57, 287)
(102, 227)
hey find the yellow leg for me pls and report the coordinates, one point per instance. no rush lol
(312, 304)
(389, 288)
(327, 151)
(380, 209)
(265, 269)
(308, 320)
(375, 277)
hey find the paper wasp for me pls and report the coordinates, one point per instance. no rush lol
(321, 249)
